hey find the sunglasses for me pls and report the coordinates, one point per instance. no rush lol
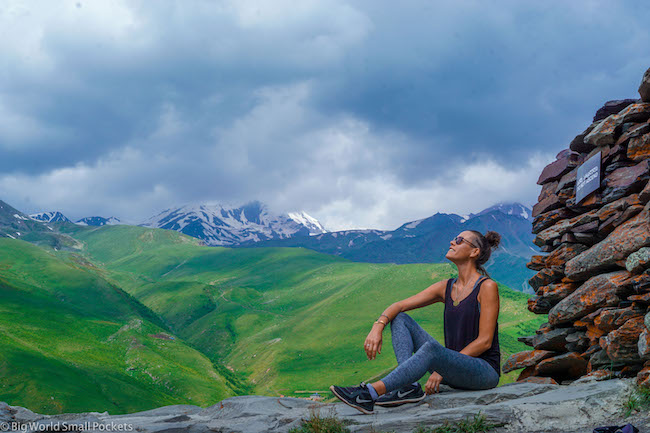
(460, 239)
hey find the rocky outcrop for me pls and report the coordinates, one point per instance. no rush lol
(595, 282)
(644, 88)
(517, 407)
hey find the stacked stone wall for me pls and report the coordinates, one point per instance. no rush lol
(594, 280)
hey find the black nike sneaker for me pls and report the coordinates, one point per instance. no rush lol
(407, 394)
(356, 396)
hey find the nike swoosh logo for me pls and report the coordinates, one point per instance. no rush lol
(362, 401)
(400, 395)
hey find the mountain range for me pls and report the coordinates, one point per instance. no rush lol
(427, 240)
(421, 241)
(57, 216)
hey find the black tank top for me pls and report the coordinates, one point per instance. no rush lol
(461, 324)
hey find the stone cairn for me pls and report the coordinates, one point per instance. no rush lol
(595, 282)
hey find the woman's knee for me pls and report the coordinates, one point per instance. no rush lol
(400, 319)
(431, 351)
(433, 346)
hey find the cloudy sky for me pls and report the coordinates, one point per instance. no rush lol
(365, 114)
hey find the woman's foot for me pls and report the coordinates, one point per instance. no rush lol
(407, 394)
(356, 396)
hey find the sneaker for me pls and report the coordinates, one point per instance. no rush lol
(407, 394)
(356, 396)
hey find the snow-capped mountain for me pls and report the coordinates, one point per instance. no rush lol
(314, 226)
(56, 216)
(49, 217)
(225, 225)
(98, 221)
(516, 209)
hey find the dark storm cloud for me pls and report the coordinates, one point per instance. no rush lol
(340, 108)
(103, 89)
(503, 78)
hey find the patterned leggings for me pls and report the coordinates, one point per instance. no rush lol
(457, 369)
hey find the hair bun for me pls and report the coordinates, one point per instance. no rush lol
(493, 239)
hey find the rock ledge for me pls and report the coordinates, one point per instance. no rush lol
(523, 406)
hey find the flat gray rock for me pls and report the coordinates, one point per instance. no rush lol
(522, 407)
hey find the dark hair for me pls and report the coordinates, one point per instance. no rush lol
(486, 244)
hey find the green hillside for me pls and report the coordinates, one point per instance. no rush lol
(70, 341)
(290, 319)
(126, 318)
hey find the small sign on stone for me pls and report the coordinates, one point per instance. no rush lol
(588, 177)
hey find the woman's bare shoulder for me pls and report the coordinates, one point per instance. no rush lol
(488, 286)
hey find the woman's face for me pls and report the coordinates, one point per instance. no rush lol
(462, 249)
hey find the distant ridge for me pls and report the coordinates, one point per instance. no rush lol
(56, 216)
(49, 217)
(98, 221)
(511, 208)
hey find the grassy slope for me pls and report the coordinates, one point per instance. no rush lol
(72, 342)
(289, 318)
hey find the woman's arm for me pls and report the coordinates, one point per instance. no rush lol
(432, 294)
(488, 319)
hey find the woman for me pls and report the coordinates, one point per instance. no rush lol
(470, 358)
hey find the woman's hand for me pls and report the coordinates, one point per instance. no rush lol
(433, 384)
(373, 342)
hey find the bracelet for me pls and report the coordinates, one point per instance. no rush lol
(379, 321)
(384, 316)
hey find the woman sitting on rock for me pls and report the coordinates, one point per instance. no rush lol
(470, 358)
